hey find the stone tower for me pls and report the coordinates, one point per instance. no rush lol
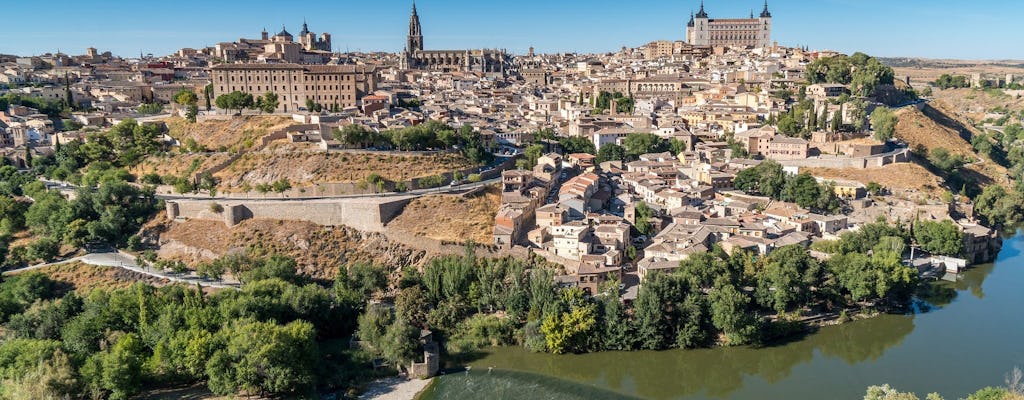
(415, 41)
(764, 38)
(701, 30)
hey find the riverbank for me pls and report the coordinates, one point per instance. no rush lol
(395, 388)
(940, 332)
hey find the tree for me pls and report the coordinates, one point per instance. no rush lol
(150, 108)
(186, 97)
(837, 120)
(643, 214)
(570, 331)
(208, 94)
(69, 99)
(787, 278)
(269, 102)
(411, 305)
(944, 160)
(400, 342)
(234, 101)
(883, 121)
(729, 314)
(50, 379)
(191, 112)
(942, 238)
(656, 311)
(637, 144)
(263, 357)
(611, 152)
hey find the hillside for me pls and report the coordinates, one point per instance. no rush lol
(450, 218)
(318, 250)
(973, 104)
(303, 165)
(243, 132)
(935, 127)
(894, 176)
(84, 278)
(178, 164)
(916, 128)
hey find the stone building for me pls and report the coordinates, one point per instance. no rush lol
(741, 32)
(480, 60)
(310, 42)
(327, 85)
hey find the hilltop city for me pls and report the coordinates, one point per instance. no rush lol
(716, 190)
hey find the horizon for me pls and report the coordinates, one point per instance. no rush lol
(566, 28)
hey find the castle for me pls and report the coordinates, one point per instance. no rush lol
(480, 60)
(738, 32)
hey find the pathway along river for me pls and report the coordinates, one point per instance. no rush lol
(966, 336)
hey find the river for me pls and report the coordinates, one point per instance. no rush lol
(966, 336)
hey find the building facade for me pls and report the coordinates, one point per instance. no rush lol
(480, 60)
(328, 85)
(739, 32)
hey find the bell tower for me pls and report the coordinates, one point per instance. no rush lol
(414, 42)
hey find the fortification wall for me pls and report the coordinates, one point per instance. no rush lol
(369, 215)
(850, 162)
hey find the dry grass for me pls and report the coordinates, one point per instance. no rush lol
(243, 132)
(318, 250)
(916, 128)
(303, 166)
(450, 218)
(940, 126)
(178, 164)
(898, 176)
(86, 277)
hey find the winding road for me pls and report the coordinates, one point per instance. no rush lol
(126, 261)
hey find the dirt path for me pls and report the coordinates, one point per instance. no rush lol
(396, 388)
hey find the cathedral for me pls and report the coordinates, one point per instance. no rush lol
(480, 60)
(738, 32)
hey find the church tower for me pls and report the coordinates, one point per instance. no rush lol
(701, 30)
(764, 37)
(415, 40)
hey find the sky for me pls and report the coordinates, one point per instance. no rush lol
(961, 29)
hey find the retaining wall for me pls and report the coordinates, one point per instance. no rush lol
(368, 215)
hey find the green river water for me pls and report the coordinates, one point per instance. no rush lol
(965, 337)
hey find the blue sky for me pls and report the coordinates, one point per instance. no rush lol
(978, 29)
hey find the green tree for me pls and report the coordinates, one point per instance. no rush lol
(269, 102)
(208, 95)
(236, 100)
(729, 314)
(611, 152)
(636, 144)
(186, 97)
(942, 238)
(883, 121)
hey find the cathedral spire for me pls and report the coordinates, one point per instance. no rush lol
(414, 42)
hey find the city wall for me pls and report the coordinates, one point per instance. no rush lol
(365, 214)
(850, 162)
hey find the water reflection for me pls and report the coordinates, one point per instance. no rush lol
(711, 372)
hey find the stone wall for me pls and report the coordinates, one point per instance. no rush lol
(851, 162)
(365, 214)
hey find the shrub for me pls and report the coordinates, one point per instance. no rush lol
(474, 178)
(216, 208)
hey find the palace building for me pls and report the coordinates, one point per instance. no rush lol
(480, 60)
(331, 86)
(738, 32)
